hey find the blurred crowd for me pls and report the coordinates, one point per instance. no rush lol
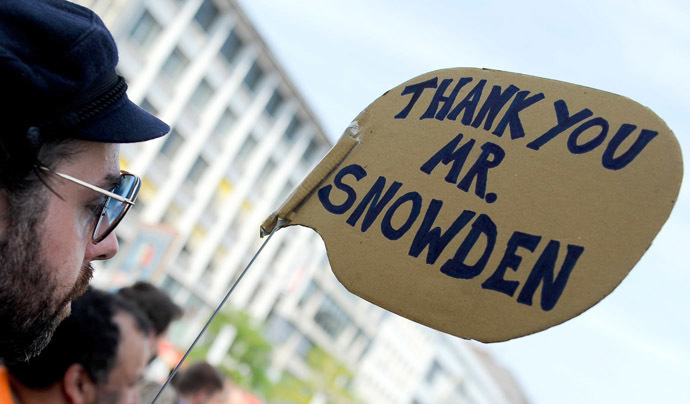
(101, 352)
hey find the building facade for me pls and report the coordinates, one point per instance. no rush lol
(242, 138)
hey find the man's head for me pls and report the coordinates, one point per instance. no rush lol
(65, 112)
(200, 383)
(157, 306)
(96, 355)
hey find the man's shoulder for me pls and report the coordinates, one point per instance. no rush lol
(5, 392)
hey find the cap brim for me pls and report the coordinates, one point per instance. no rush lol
(123, 122)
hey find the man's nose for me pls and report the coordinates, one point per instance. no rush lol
(104, 250)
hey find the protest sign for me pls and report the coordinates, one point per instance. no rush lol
(490, 205)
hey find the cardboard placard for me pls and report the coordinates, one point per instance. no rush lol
(490, 205)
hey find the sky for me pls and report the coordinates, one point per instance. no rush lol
(634, 346)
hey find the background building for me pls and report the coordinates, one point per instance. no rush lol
(242, 139)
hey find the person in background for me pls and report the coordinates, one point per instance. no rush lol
(156, 305)
(200, 383)
(96, 356)
(64, 113)
(161, 311)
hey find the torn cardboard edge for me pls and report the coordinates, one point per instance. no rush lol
(322, 170)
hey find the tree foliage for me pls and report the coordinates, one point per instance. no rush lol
(249, 355)
(249, 358)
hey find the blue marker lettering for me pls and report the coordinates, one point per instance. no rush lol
(512, 117)
(492, 106)
(616, 163)
(387, 228)
(435, 238)
(491, 156)
(449, 154)
(376, 206)
(592, 144)
(456, 267)
(325, 193)
(510, 260)
(447, 101)
(416, 90)
(469, 104)
(543, 273)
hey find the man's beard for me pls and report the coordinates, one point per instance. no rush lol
(29, 309)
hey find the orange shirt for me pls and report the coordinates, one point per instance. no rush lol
(5, 392)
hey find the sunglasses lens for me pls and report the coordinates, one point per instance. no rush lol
(114, 210)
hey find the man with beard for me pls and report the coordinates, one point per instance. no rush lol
(96, 356)
(64, 113)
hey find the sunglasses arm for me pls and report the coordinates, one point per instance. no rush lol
(91, 187)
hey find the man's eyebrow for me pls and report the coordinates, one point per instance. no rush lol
(109, 182)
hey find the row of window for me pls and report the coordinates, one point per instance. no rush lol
(147, 29)
(174, 143)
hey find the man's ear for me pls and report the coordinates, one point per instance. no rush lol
(77, 386)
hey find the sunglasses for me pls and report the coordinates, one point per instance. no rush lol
(118, 201)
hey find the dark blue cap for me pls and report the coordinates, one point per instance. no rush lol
(57, 73)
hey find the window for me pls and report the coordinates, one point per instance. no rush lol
(208, 218)
(231, 47)
(433, 372)
(274, 103)
(172, 144)
(145, 31)
(172, 214)
(366, 344)
(170, 285)
(183, 257)
(278, 330)
(222, 129)
(289, 186)
(201, 96)
(244, 153)
(207, 14)
(225, 122)
(175, 65)
(312, 153)
(331, 318)
(292, 128)
(196, 239)
(305, 345)
(265, 174)
(220, 197)
(311, 289)
(366, 349)
(219, 256)
(197, 170)
(208, 275)
(193, 306)
(253, 77)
